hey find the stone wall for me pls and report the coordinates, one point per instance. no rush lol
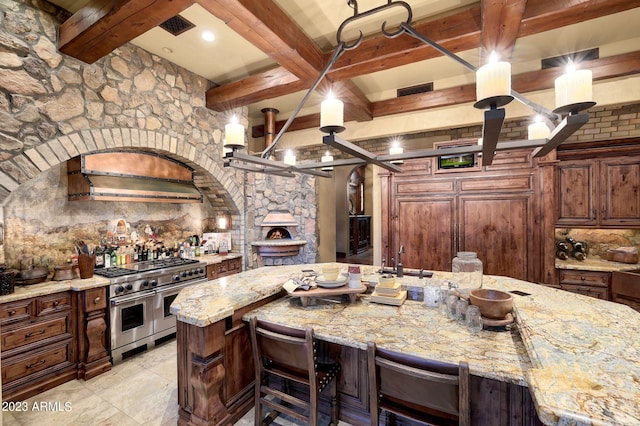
(54, 107)
(601, 240)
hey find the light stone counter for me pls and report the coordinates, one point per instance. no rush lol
(50, 287)
(578, 355)
(210, 259)
(595, 264)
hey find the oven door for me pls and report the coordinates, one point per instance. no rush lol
(131, 319)
(163, 319)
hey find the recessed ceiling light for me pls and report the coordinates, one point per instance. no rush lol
(208, 36)
(167, 50)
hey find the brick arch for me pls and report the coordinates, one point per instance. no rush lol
(223, 194)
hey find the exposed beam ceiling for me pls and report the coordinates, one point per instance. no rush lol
(103, 25)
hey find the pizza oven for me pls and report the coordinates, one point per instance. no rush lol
(278, 236)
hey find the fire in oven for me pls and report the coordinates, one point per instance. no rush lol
(140, 295)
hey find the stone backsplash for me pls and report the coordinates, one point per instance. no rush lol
(601, 240)
(41, 225)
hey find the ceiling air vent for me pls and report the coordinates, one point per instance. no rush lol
(562, 60)
(176, 25)
(414, 90)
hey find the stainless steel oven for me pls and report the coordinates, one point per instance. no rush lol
(131, 322)
(140, 296)
(164, 322)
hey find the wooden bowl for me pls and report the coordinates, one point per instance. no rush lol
(494, 304)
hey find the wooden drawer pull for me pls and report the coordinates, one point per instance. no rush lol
(34, 333)
(12, 313)
(56, 303)
(96, 300)
(36, 363)
(582, 277)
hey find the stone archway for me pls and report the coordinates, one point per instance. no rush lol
(221, 187)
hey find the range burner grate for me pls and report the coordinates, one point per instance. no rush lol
(136, 268)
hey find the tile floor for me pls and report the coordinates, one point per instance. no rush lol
(139, 391)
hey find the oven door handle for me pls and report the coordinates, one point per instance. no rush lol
(134, 297)
(178, 287)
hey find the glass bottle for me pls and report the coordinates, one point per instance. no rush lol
(467, 271)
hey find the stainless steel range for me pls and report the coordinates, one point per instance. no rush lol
(140, 295)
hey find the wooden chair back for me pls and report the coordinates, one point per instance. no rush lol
(424, 390)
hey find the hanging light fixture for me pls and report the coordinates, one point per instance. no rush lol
(394, 150)
(234, 135)
(538, 129)
(331, 115)
(289, 158)
(574, 90)
(327, 158)
(493, 91)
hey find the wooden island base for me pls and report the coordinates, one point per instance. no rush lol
(216, 378)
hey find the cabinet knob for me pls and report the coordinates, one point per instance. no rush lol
(11, 313)
(582, 277)
(56, 303)
(96, 300)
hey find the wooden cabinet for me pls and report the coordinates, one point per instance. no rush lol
(359, 234)
(601, 192)
(38, 344)
(490, 212)
(224, 268)
(589, 283)
(93, 336)
(625, 288)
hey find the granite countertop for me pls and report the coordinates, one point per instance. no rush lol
(50, 287)
(595, 264)
(572, 351)
(216, 258)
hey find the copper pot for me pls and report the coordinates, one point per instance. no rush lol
(64, 272)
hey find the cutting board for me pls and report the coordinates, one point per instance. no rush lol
(623, 255)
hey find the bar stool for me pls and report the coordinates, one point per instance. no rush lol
(423, 390)
(291, 355)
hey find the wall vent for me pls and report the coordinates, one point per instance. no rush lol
(176, 25)
(577, 57)
(414, 90)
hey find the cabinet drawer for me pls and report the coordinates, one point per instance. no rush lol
(587, 290)
(497, 184)
(53, 303)
(16, 311)
(95, 299)
(589, 278)
(20, 366)
(33, 333)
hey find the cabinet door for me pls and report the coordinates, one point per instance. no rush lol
(620, 181)
(424, 226)
(577, 196)
(497, 229)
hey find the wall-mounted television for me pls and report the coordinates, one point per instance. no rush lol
(453, 162)
(456, 161)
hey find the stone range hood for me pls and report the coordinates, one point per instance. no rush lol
(279, 241)
(130, 176)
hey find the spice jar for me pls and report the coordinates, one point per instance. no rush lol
(467, 271)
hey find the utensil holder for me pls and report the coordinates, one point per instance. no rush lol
(86, 264)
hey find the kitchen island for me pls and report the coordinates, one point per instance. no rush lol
(569, 356)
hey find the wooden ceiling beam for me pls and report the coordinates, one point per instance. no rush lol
(458, 32)
(104, 25)
(500, 27)
(603, 68)
(266, 85)
(266, 26)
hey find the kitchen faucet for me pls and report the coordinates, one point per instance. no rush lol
(400, 266)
